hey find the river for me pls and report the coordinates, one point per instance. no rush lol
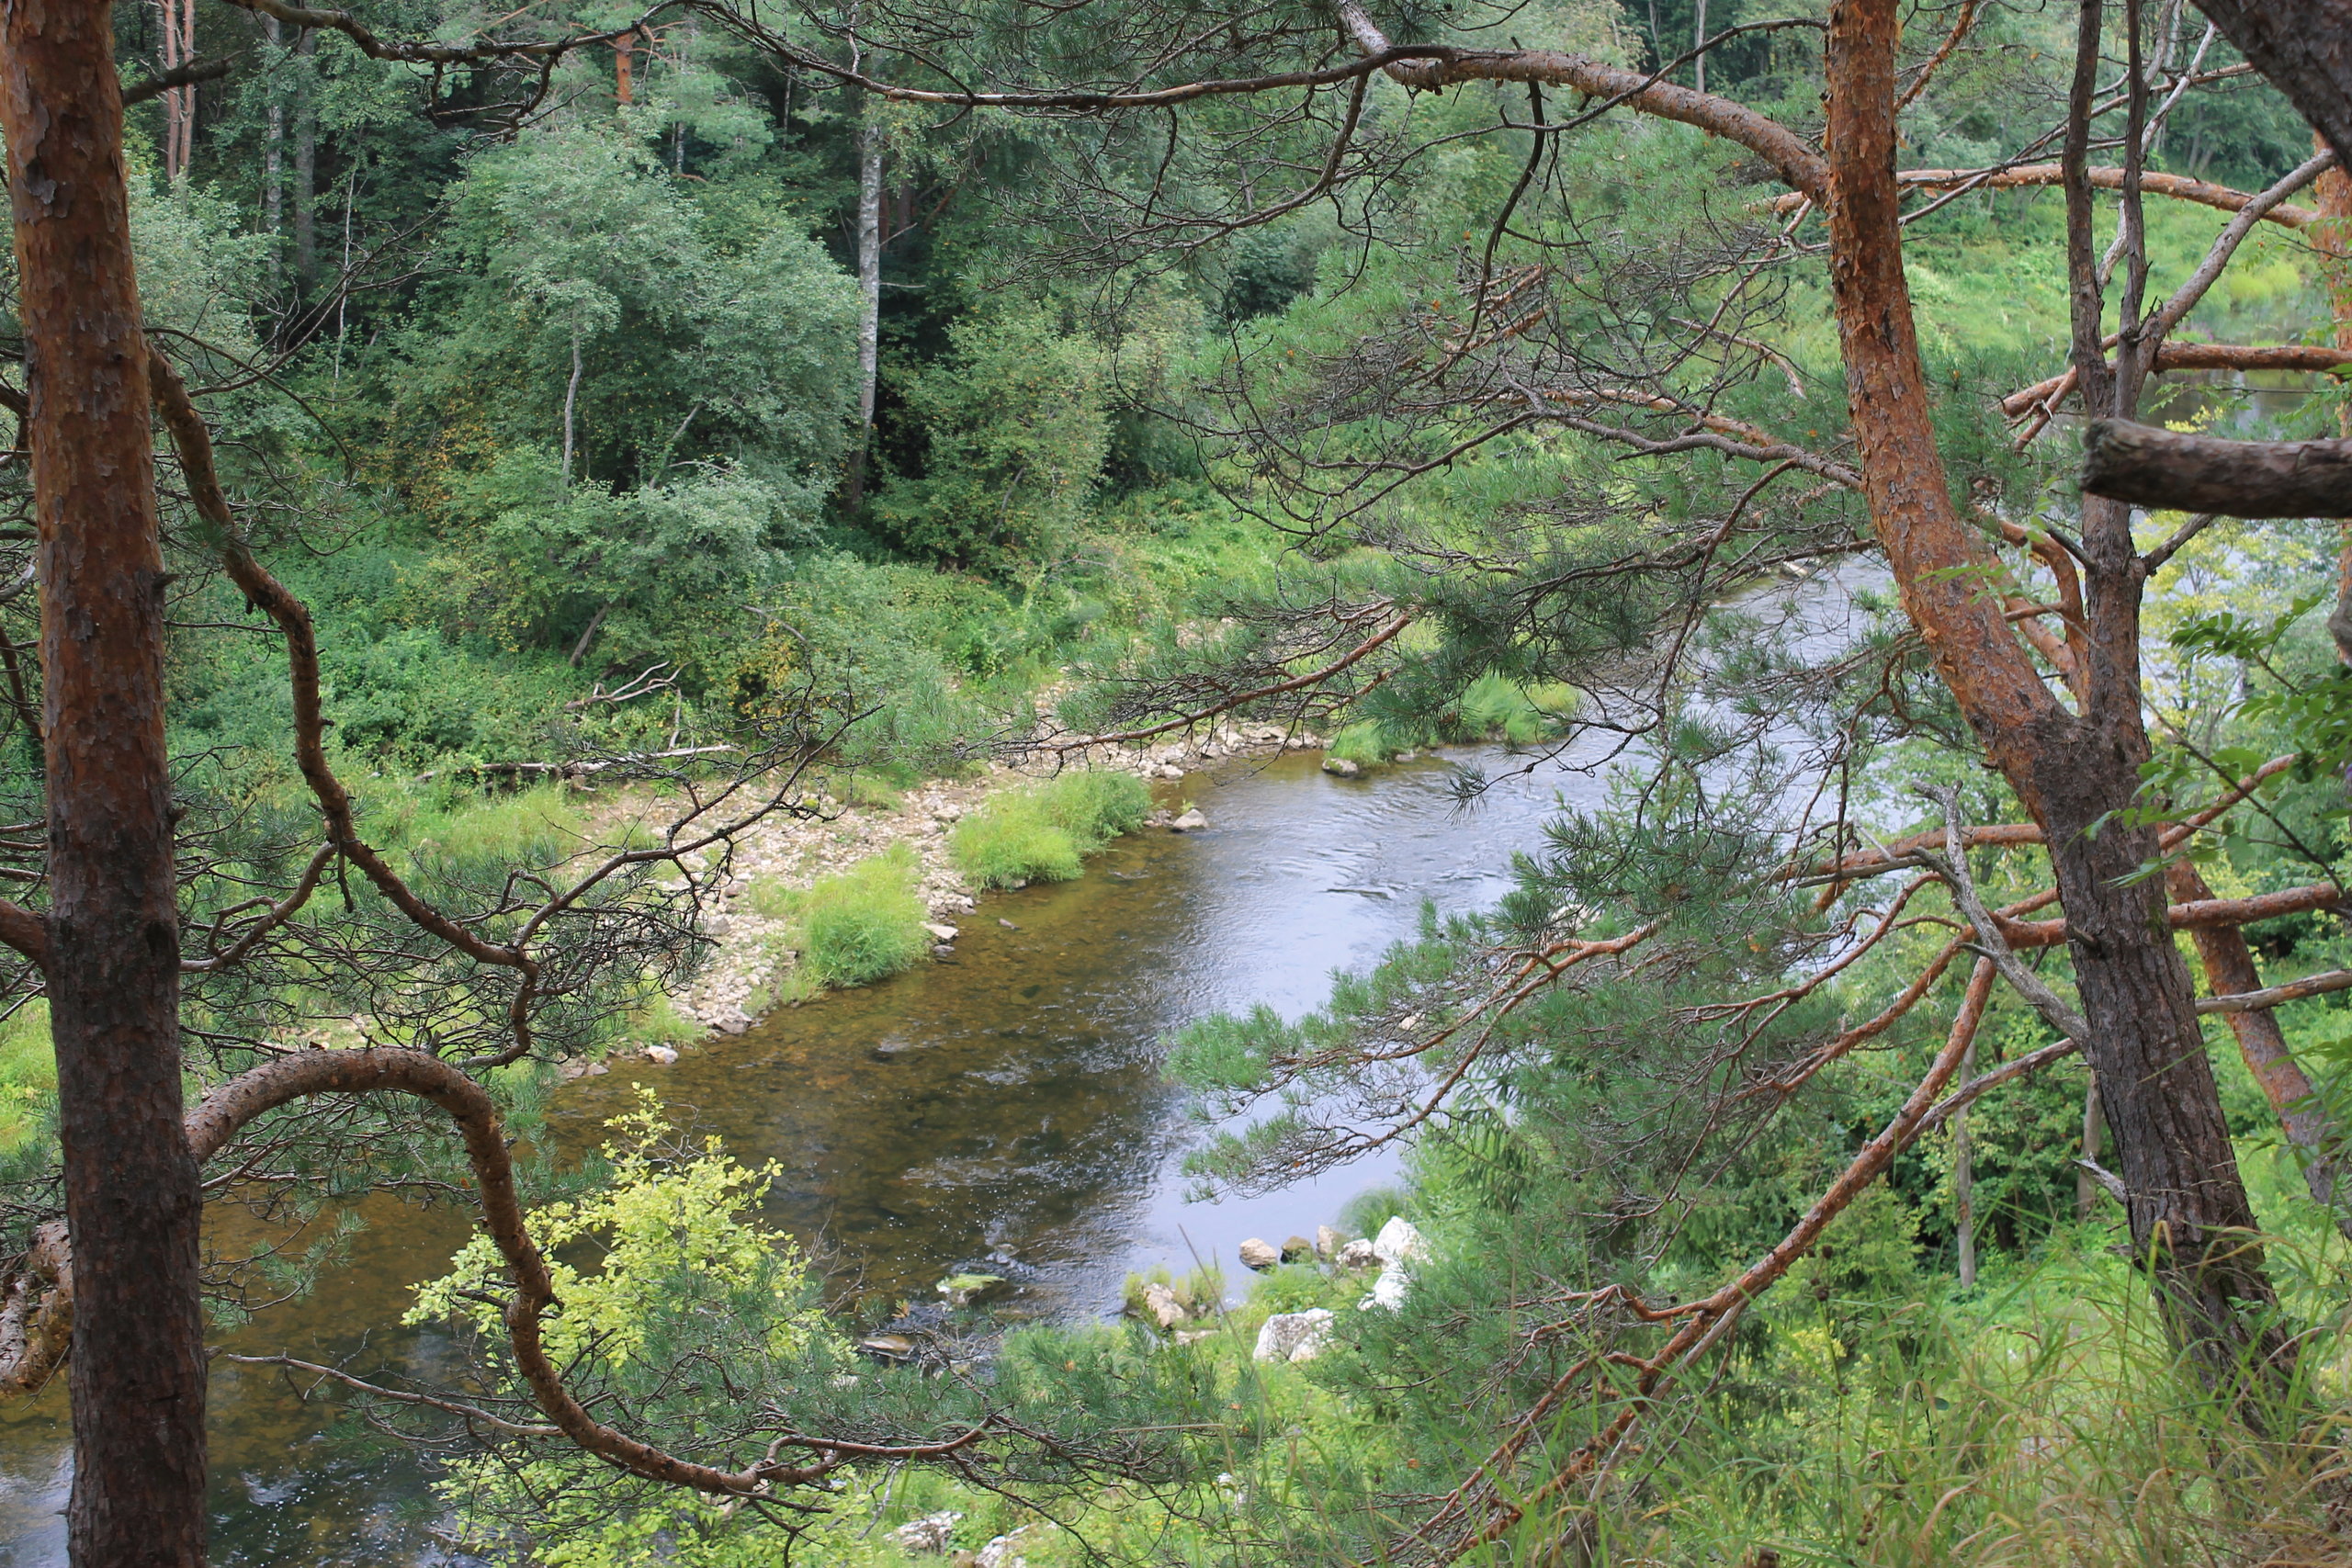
(1006, 1103)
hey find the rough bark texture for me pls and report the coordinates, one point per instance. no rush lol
(2304, 47)
(2189, 1211)
(2148, 467)
(2230, 969)
(131, 1201)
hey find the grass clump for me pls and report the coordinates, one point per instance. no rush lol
(860, 926)
(27, 1076)
(1043, 832)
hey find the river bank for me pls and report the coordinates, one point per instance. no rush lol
(735, 985)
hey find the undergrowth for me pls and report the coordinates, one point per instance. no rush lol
(1043, 832)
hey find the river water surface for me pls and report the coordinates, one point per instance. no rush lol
(1005, 1103)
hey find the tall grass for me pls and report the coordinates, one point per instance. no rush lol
(862, 925)
(1043, 832)
(27, 1076)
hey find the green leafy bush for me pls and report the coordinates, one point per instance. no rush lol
(1014, 439)
(1044, 832)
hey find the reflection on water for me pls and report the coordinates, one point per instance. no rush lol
(1004, 1103)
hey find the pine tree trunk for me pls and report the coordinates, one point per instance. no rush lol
(2229, 967)
(132, 1200)
(2192, 1223)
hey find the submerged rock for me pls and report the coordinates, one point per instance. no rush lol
(1293, 1336)
(963, 1290)
(1258, 1255)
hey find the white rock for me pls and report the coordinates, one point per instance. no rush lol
(944, 934)
(999, 1552)
(931, 1533)
(664, 1055)
(1161, 1304)
(1170, 770)
(1258, 1255)
(1388, 1290)
(1191, 822)
(1293, 1336)
(1340, 768)
(1326, 1242)
(1398, 1242)
(1358, 1254)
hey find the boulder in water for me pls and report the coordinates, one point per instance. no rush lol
(1298, 1249)
(1340, 768)
(1191, 822)
(1328, 1242)
(663, 1054)
(1358, 1254)
(1258, 1255)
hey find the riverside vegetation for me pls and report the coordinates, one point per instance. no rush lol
(661, 511)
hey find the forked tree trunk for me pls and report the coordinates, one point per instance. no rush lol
(2189, 1217)
(131, 1201)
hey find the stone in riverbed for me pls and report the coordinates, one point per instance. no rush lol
(1258, 1255)
(1340, 768)
(1293, 1336)
(1358, 1254)
(1298, 1249)
(663, 1056)
(963, 1290)
(1160, 1305)
(944, 934)
(1191, 822)
(1328, 1242)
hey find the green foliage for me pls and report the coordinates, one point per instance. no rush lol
(689, 345)
(855, 927)
(1013, 438)
(660, 572)
(1043, 832)
(27, 1077)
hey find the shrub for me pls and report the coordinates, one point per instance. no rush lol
(1043, 832)
(862, 925)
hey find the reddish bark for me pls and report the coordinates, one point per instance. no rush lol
(131, 1203)
(2189, 1215)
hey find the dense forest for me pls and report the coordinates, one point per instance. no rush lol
(476, 479)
